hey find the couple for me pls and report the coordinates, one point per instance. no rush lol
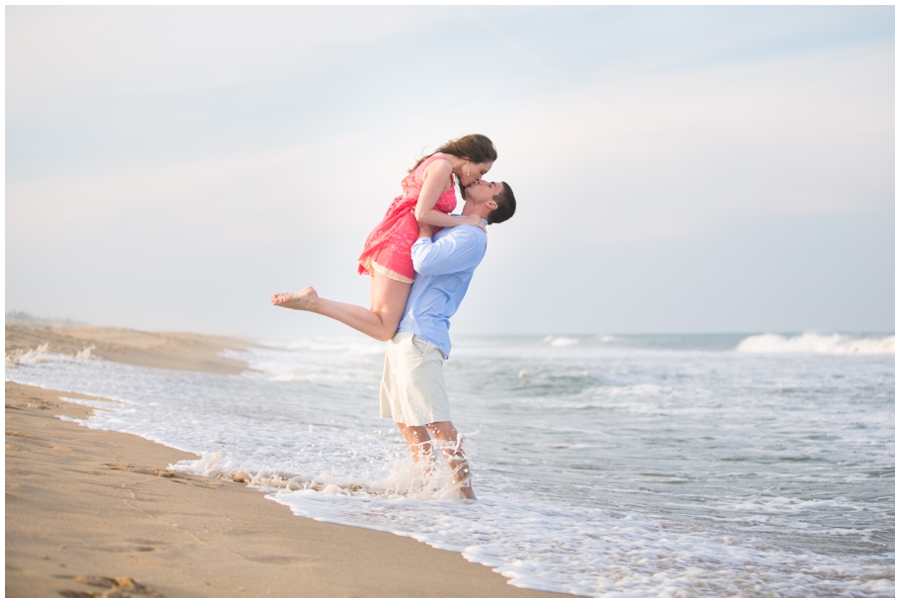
(418, 279)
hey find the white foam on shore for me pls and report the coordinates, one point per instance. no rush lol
(819, 344)
(615, 553)
(30, 356)
(401, 478)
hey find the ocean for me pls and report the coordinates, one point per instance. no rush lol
(605, 465)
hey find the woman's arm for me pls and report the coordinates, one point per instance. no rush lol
(434, 178)
(462, 249)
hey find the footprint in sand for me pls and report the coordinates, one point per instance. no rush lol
(113, 587)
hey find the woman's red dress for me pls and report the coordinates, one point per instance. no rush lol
(387, 247)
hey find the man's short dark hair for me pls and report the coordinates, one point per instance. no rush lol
(506, 206)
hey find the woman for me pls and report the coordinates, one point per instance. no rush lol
(429, 197)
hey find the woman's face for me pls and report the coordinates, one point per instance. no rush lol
(473, 172)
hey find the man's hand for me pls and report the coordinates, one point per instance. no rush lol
(425, 230)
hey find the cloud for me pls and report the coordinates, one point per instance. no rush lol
(676, 153)
(88, 52)
(518, 48)
(644, 156)
(301, 191)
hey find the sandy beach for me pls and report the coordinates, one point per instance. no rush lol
(97, 513)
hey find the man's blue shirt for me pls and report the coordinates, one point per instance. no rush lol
(444, 267)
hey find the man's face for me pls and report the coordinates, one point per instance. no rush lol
(483, 191)
(475, 171)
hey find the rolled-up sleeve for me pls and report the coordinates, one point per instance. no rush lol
(460, 250)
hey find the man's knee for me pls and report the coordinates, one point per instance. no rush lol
(418, 430)
(443, 430)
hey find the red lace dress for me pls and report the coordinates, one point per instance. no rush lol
(387, 247)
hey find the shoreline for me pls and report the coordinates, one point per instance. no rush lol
(97, 513)
(165, 350)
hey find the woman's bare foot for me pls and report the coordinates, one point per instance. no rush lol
(304, 299)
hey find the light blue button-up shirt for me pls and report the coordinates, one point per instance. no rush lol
(444, 268)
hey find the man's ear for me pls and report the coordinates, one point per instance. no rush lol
(491, 205)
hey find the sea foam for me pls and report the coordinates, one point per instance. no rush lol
(30, 356)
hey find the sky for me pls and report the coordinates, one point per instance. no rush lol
(677, 169)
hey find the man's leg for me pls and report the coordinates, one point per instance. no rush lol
(451, 446)
(417, 440)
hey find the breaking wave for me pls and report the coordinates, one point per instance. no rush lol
(560, 342)
(814, 343)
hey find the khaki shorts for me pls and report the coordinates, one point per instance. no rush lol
(412, 386)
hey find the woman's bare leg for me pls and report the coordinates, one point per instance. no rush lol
(380, 322)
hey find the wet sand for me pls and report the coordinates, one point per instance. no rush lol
(97, 513)
(175, 351)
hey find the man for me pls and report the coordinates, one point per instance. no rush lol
(413, 392)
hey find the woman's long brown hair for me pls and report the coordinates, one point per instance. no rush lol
(477, 148)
